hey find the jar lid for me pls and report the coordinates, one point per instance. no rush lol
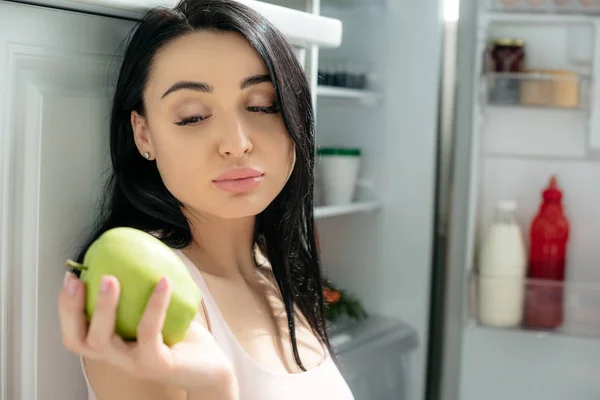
(503, 41)
(510, 42)
(338, 151)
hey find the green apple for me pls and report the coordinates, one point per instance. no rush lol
(138, 260)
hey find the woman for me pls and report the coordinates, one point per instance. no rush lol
(212, 150)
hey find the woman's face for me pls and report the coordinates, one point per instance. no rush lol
(212, 125)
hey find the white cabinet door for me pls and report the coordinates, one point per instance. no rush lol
(54, 81)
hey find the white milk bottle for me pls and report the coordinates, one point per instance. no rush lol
(502, 268)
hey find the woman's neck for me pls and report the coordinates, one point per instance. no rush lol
(222, 247)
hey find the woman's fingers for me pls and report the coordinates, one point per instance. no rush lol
(102, 325)
(73, 322)
(99, 340)
(151, 324)
(151, 355)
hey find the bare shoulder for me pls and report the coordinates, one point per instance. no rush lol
(112, 383)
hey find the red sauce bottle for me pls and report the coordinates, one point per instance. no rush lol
(549, 235)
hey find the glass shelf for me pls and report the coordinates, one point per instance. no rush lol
(354, 3)
(551, 307)
(546, 6)
(536, 89)
(341, 93)
(322, 212)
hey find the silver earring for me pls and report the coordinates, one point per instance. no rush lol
(147, 155)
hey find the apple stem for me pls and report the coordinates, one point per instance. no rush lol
(72, 264)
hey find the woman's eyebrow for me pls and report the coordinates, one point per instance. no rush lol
(206, 88)
(255, 80)
(188, 85)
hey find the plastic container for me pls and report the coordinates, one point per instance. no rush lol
(338, 173)
(550, 88)
(375, 357)
(502, 269)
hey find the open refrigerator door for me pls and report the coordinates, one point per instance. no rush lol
(522, 287)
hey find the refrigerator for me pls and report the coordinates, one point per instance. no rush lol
(508, 150)
(436, 156)
(441, 150)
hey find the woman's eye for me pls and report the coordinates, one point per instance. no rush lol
(191, 120)
(261, 109)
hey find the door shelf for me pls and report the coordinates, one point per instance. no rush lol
(534, 300)
(346, 209)
(537, 18)
(577, 7)
(345, 4)
(542, 89)
(341, 93)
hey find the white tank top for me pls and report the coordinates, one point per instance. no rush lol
(255, 382)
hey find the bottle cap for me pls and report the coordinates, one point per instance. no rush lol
(552, 193)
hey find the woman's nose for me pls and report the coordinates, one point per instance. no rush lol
(235, 141)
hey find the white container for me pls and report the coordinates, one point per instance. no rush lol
(502, 269)
(339, 171)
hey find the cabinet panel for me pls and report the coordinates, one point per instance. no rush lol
(54, 100)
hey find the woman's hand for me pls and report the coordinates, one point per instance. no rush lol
(196, 364)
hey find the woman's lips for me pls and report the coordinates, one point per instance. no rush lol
(239, 180)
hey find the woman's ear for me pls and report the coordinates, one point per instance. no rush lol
(141, 135)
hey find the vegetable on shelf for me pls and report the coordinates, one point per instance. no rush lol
(331, 296)
(339, 302)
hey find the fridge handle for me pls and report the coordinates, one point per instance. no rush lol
(594, 123)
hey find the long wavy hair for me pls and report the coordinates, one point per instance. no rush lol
(137, 197)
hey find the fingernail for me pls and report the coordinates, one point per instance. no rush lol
(104, 284)
(71, 285)
(162, 284)
(67, 277)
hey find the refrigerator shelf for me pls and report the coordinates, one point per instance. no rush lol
(536, 89)
(345, 209)
(569, 7)
(535, 305)
(537, 18)
(340, 93)
(354, 3)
